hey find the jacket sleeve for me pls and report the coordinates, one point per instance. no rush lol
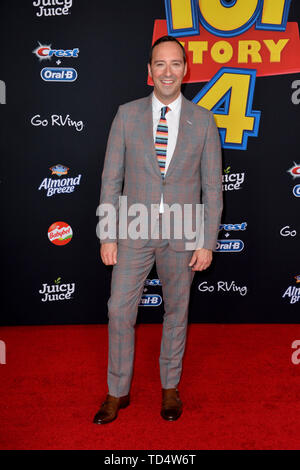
(211, 177)
(112, 180)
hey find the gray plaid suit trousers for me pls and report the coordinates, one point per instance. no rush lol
(128, 277)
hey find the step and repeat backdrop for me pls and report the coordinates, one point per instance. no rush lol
(66, 66)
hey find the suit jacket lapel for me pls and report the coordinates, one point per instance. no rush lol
(184, 132)
(147, 122)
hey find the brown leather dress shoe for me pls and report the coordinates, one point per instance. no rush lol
(171, 404)
(109, 409)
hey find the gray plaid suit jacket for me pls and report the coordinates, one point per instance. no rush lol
(131, 168)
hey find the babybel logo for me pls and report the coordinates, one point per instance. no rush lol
(60, 233)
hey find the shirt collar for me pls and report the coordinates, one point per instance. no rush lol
(174, 106)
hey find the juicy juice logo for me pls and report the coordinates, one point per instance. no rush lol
(60, 233)
(57, 291)
(52, 7)
(227, 45)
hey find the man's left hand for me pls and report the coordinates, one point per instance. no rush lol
(201, 259)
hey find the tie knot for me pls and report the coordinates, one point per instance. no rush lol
(164, 111)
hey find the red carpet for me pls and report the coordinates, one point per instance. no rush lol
(239, 388)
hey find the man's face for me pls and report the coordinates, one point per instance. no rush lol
(167, 70)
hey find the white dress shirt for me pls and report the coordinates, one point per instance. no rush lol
(172, 118)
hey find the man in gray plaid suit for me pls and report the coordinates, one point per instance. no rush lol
(162, 150)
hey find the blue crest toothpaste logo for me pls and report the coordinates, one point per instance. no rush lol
(230, 246)
(229, 227)
(296, 190)
(58, 74)
(150, 300)
(152, 282)
(45, 52)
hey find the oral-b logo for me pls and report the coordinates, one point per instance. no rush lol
(230, 246)
(296, 190)
(150, 300)
(57, 74)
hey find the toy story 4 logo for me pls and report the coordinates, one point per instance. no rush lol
(228, 43)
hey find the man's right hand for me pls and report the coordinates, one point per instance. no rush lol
(108, 253)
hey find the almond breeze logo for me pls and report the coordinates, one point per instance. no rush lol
(231, 246)
(59, 185)
(292, 293)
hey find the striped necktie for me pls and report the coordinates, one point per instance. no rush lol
(161, 140)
